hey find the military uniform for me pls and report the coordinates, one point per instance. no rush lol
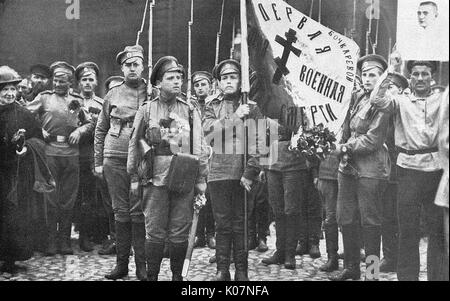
(60, 116)
(288, 181)
(112, 136)
(86, 205)
(205, 227)
(361, 193)
(226, 169)
(168, 214)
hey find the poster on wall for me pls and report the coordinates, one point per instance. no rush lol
(423, 29)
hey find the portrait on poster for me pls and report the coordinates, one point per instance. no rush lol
(422, 30)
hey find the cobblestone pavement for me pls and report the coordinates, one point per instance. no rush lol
(92, 267)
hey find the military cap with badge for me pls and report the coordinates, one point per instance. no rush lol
(163, 65)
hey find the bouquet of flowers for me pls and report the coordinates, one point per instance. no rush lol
(316, 142)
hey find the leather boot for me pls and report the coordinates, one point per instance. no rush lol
(389, 238)
(223, 250)
(109, 248)
(199, 241)
(302, 248)
(138, 238)
(211, 241)
(64, 233)
(84, 225)
(123, 245)
(262, 246)
(372, 241)
(276, 258)
(351, 255)
(279, 256)
(177, 254)
(240, 256)
(314, 251)
(291, 241)
(154, 253)
(331, 237)
(51, 232)
(314, 228)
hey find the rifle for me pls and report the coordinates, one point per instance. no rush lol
(219, 33)
(142, 24)
(189, 75)
(199, 202)
(232, 39)
(150, 48)
(245, 88)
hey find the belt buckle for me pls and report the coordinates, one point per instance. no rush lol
(60, 139)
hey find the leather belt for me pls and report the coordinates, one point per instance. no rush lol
(59, 139)
(417, 151)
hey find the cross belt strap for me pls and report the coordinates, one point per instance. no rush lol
(417, 151)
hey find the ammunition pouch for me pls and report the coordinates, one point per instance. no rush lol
(153, 135)
(116, 125)
(183, 173)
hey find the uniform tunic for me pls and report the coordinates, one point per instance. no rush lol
(112, 136)
(167, 214)
(60, 119)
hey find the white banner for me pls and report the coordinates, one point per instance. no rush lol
(317, 64)
(422, 30)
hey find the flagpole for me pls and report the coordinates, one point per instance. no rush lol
(245, 88)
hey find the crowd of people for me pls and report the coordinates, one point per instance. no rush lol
(119, 170)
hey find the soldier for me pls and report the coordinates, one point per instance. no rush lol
(112, 134)
(389, 227)
(64, 123)
(40, 80)
(228, 171)
(165, 123)
(202, 82)
(416, 122)
(109, 247)
(363, 180)
(86, 75)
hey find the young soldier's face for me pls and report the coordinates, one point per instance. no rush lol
(8, 94)
(132, 69)
(370, 78)
(230, 83)
(202, 88)
(88, 83)
(421, 78)
(61, 84)
(171, 83)
(426, 14)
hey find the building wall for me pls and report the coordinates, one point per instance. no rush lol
(37, 31)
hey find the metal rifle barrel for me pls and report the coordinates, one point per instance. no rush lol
(150, 48)
(189, 75)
